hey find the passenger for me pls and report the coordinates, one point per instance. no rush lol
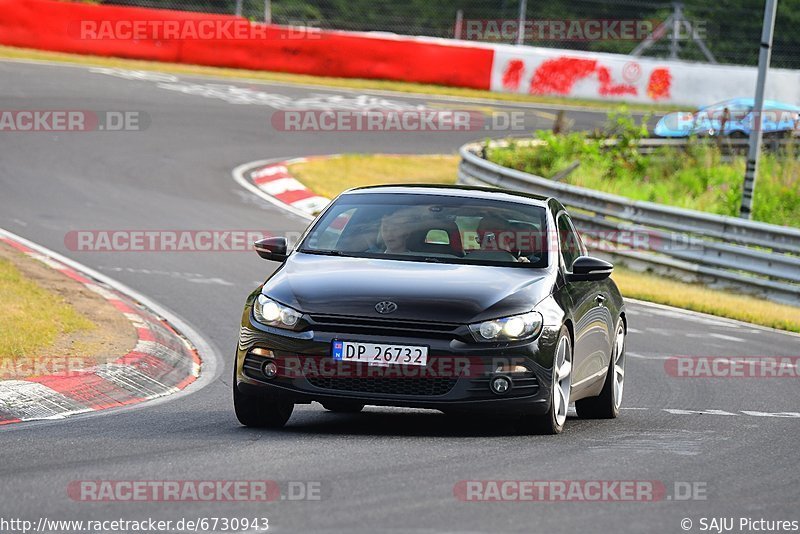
(497, 234)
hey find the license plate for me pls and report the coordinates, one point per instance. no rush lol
(379, 354)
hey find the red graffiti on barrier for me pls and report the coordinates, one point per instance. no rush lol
(513, 74)
(659, 85)
(560, 75)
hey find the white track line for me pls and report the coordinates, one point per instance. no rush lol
(333, 88)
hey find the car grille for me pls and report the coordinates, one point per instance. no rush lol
(380, 327)
(429, 387)
(393, 385)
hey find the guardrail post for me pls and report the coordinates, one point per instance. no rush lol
(754, 151)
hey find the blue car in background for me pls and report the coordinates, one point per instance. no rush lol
(733, 118)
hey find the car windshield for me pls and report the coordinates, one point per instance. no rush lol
(432, 228)
(736, 111)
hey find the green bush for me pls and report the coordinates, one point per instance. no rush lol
(697, 177)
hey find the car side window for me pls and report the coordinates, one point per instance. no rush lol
(568, 240)
(739, 112)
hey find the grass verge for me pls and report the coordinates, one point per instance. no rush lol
(698, 177)
(51, 324)
(695, 297)
(31, 317)
(300, 79)
(331, 176)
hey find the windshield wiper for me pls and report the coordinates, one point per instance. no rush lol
(329, 252)
(332, 252)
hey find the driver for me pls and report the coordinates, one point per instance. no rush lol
(395, 229)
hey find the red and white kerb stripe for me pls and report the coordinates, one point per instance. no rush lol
(276, 180)
(161, 363)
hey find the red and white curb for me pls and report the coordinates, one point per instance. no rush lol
(272, 181)
(163, 361)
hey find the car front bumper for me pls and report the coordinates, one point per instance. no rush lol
(457, 377)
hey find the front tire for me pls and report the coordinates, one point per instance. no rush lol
(260, 412)
(606, 405)
(561, 387)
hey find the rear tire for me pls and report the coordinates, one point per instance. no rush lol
(606, 405)
(342, 406)
(561, 386)
(258, 412)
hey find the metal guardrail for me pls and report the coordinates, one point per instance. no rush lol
(728, 146)
(754, 257)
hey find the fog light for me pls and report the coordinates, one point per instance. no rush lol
(510, 368)
(262, 352)
(270, 370)
(500, 385)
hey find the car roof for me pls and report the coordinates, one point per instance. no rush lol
(465, 191)
(750, 102)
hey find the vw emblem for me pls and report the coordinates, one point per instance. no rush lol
(385, 306)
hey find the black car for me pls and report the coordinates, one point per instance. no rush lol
(459, 299)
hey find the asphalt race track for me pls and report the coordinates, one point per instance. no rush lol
(384, 469)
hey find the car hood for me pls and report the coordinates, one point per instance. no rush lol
(449, 293)
(678, 124)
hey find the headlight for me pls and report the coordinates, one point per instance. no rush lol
(514, 328)
(269, 312)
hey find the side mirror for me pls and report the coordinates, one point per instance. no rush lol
(587, 269)
(272, 248)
